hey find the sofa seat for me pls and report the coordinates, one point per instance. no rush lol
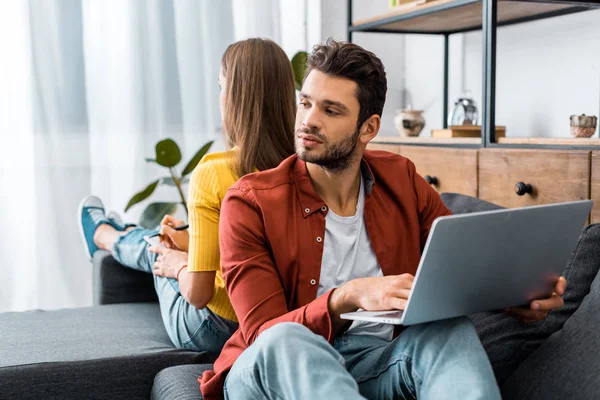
(108, 351)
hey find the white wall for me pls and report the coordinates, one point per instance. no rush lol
(546, 70)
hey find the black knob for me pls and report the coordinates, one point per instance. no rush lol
(522, 188)
(432, 180)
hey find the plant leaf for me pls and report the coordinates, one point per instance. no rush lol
(196, 159)
(167, 180)
(143, 195)
(154, 213)
(167, 153)
(299, 67)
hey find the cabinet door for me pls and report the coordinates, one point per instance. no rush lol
(596, 186)
(447, 169)
(539, 176)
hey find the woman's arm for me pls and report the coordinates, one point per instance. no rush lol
(197, 287)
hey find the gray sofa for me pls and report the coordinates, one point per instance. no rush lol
(119, 349)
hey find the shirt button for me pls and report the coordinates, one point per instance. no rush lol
(307, 210)
(319, 239)
(313, 282)
(324, 208)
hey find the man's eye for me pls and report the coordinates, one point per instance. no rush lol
(329, 111)
(304, 104)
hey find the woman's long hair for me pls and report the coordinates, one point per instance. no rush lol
(260, 104)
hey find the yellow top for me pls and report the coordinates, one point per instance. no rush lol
(209, 182)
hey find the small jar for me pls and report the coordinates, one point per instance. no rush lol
(583, 126)
(409, 122)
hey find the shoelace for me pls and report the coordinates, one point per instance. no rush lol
(97, 215)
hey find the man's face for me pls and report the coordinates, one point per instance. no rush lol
(326, 121)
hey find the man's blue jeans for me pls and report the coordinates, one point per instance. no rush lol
(440, 360)
(187, 326)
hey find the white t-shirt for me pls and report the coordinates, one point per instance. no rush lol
(347, 255)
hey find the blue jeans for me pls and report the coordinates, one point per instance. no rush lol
(440, 360)
(187, 326)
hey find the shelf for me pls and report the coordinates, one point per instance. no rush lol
(427, 140)
(594, 141)
(453, 16)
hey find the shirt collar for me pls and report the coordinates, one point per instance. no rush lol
(310, 201)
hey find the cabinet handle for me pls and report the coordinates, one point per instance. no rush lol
(432, 180)
(522, 188)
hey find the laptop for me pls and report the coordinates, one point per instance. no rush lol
(488, 261)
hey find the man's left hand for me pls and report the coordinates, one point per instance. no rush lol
(539, 309)
(169, 261)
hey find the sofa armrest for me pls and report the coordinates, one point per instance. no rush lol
(114, 283)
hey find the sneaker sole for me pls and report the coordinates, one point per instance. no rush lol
(81, 233)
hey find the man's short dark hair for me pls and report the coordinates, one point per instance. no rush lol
(350, 61)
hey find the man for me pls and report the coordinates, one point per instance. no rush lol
(331, 230)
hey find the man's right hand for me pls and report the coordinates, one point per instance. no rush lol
(371, 294)
(383, 293)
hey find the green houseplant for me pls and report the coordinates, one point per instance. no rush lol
(299, 67)
(168, 155)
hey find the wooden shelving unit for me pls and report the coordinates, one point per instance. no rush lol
(447, 17)
(451, 16)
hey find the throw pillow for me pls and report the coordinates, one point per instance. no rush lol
(567, 364)
(507, 340)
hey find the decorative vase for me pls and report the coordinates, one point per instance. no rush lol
(409, 122)
(583, 126)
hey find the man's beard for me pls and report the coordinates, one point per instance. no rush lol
(336, 158)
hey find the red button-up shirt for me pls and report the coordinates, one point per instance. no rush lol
(271, 239)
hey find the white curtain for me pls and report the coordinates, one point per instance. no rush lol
(87, 88)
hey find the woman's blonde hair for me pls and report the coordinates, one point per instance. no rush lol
(260, 104)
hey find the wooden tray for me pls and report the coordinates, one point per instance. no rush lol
(403, 4)
(465, 131)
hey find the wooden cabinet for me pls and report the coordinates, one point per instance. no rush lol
(448, 169)
(392, 148)
(509, 177)
(539, 176)
(595, 179)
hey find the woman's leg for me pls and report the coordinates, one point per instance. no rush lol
(128, 248)
(188, 327)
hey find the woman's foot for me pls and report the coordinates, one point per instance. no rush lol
(91, 216)
(116, 222)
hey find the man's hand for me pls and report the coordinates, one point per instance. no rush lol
(383, 293)
(171, 238)
(169, 261)
(539, 309)
(371, 294)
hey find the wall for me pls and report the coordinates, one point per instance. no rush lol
(546, 70)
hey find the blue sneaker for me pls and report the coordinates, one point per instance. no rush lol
(116, 222)
(91, 215)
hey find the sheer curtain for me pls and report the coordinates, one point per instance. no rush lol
(87, 88)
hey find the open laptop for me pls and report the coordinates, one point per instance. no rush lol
(487, 261)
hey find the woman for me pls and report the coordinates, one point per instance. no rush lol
(258, 109)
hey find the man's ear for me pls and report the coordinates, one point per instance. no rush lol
(370, 128)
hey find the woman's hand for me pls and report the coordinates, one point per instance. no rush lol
(169, 262)
(171, 238)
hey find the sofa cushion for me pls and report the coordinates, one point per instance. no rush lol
(114, 283)
(179, 382)
(111, 351)
(567, 364)
(507, 340)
